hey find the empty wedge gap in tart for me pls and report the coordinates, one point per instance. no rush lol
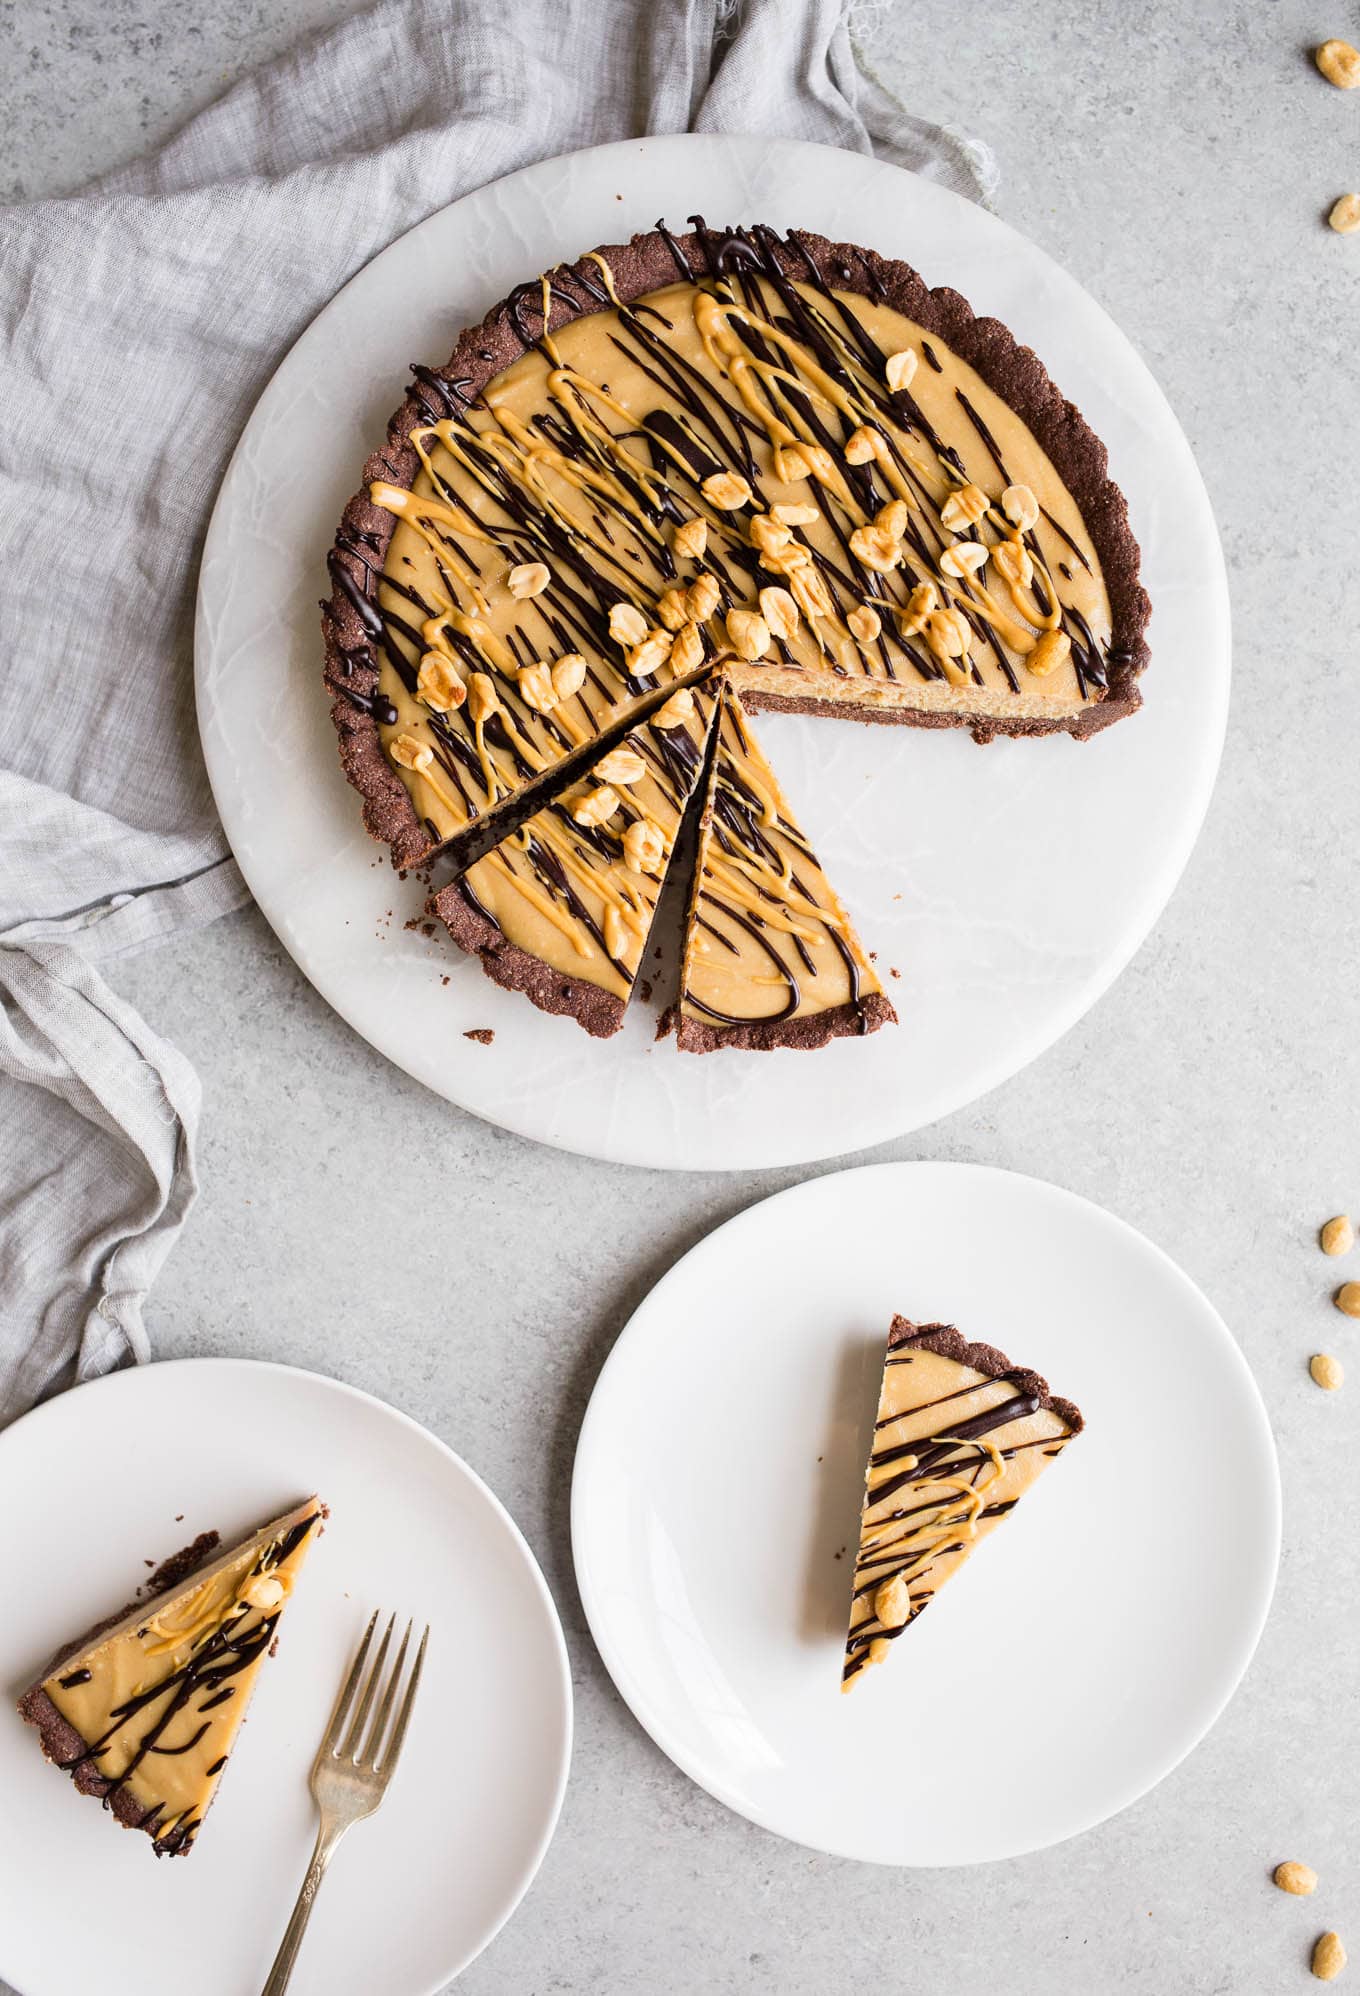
(907, 519)
(771, 958)
(144, 1710)
(959, 1437)
(562, 908)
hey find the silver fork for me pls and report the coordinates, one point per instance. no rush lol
(349, 1784)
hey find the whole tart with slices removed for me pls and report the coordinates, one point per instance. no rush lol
(960, 1435)
(778, 459)
(144, 1709)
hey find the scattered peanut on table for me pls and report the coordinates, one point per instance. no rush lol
(1300, 1879)
(1339, 63)
(1338, 1235)
(1326, 1370)
(1329, 1957)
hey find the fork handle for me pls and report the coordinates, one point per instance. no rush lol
(327, 1837)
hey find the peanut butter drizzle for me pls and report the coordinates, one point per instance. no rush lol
(581, 897)
(931, 1492)
(590, 451)
(767, 940)
(158, 1700)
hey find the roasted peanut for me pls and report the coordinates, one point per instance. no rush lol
(726, 491)
(1338, 1236)
(1053, 649)
(1339, 63)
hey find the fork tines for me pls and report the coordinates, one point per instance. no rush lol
(376, 1753)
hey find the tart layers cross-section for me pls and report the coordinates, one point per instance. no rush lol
(785, 460)
(143, 1711)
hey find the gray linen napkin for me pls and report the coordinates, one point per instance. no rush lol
(140, 321)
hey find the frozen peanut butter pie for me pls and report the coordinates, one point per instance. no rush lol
(961, 1434)
(771, 958)
(562, 908)
(779, 455)
(144, 1710)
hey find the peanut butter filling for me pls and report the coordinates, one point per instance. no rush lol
(158, 1700)
(954, 1450)
(577, 885)
(806, 485)
(768, 941)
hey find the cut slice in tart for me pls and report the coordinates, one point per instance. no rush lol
(490, 694)
(562, 908)
(771, 958)
(961, 1434)
(144, 1710)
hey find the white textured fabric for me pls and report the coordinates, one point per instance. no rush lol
(140, 320)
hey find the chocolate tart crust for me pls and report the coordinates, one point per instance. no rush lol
(600, 1012)
(983, 728)
(646, 263)
(813, 1029)
(951, 1343)
(58, 1738)
(63, 1744)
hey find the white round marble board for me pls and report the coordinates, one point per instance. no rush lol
(1083, 1650)
(1008, 885)
(86, 1909)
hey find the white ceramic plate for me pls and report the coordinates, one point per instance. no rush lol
(1008, 886)
(1089, 1643)
(414, 1894)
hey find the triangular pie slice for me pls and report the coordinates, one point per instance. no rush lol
(562, 908)
(961, 1434)
(143, 1711)
(771, 958)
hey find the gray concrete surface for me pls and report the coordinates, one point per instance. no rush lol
(1179, 160)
